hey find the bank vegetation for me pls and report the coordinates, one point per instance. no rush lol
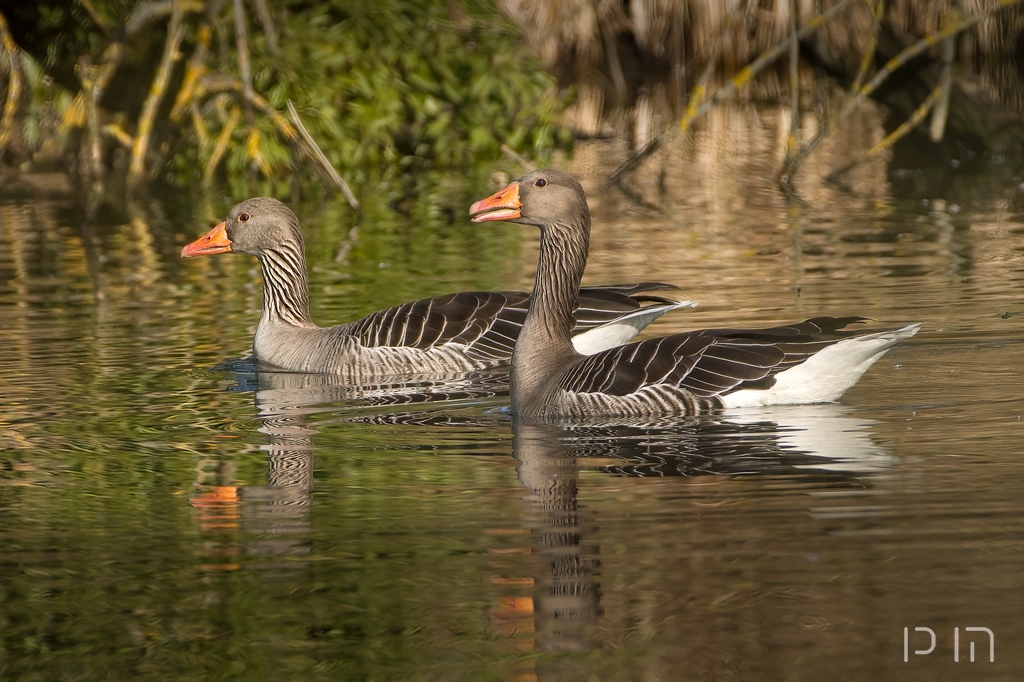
(266, 96)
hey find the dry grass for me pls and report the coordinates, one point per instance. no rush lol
(617, 53)
(646, 70)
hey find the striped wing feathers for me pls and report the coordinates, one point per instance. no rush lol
(696, 361)
(599, 305)
(707, 363)
(488, 323)
(427, 323)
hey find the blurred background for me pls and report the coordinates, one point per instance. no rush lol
(108, 99)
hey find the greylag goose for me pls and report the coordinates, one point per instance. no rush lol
(455, 333)
(807, 362)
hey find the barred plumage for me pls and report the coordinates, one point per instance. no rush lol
(683, 374)
(454, 333)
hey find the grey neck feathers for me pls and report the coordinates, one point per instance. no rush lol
(285, 288)
(546, 339)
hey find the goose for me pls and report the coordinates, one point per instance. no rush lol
(434, 336)
(812, 361)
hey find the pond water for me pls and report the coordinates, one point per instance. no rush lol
(169, 516)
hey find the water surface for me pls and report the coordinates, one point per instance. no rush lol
(164, 518)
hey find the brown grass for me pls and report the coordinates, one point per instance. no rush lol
(618, 53)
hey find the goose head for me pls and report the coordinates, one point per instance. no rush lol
(253, 227)
(544, 198)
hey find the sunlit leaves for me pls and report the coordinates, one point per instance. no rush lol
(393, 84)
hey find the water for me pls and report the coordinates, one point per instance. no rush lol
(166, 519)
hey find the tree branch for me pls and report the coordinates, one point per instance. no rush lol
(175, 32)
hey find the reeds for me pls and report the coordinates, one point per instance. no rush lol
(707, 51)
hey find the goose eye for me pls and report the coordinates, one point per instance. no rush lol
(243, 217)
(541, 182)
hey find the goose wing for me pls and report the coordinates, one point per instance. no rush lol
(488, 323)
(707, 362)
(431, 322)
(598, 305)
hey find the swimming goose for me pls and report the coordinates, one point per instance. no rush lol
(807, 362)
(454, 333)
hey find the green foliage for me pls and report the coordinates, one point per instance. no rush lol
(387, 88)
(391, 86)
(41, 121)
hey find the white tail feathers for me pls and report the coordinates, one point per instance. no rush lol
(826, 375)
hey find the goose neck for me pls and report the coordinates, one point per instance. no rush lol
(563, 257)
(285, 287)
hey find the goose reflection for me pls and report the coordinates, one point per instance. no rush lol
(291, 407)
(819, 447)
(823, 445)
(566, 598)
(809, 439)
(288, 405)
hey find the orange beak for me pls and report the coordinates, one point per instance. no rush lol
(214, 241)
(502, 205)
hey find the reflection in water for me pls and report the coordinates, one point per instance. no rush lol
(821, 445)
(275, 517)
(566, 600)
(822, 441)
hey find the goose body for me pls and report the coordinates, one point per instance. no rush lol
(683, 374)
(454, 333)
